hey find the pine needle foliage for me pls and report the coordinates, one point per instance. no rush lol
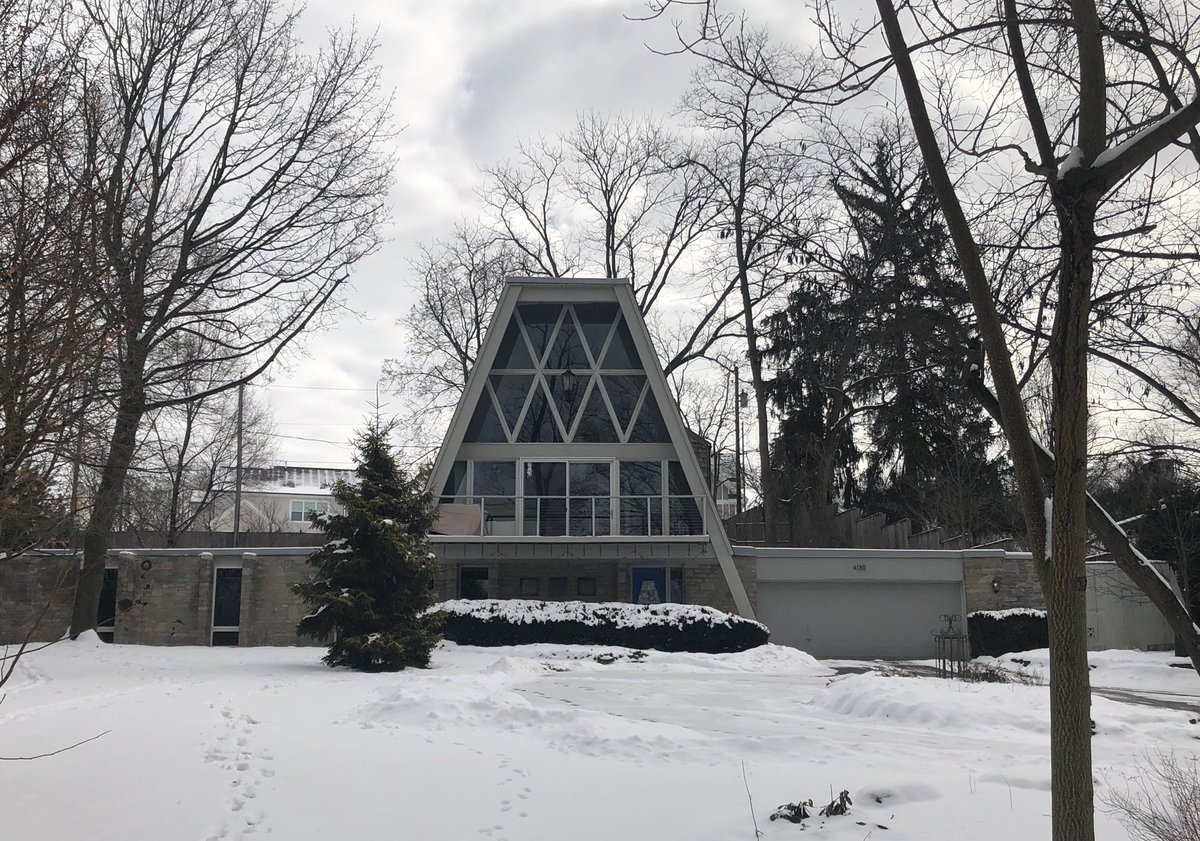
(373, 580)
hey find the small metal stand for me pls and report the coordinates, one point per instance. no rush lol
(950, 645)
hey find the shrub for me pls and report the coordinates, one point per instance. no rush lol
(996, 632)
(663, 627)
(1162, 801)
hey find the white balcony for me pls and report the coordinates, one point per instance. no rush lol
(648, 517)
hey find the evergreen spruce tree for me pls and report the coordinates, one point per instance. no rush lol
(868, 351)
(374, 579)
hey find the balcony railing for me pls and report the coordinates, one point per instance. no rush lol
(576, 516)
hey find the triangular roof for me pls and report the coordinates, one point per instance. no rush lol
(627, 336)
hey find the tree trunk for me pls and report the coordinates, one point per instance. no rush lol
(770, 487)
(1128, 559)
(98, 532)
(1065, 579)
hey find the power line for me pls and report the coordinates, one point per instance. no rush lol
(344, 443)
(314, 440)
(310, 387)
(309, 423)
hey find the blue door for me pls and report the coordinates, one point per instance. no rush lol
(649, 585)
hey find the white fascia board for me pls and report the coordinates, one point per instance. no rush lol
(457, 429)
(677, 429)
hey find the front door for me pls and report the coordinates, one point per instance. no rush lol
(649, 585)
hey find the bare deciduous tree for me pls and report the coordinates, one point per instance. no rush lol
(185, 465)
(752, 156)
(239, 181)
(614, 196)
(457, 282)
(1092, 101)
(49, 297)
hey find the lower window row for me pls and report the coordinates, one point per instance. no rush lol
(648, 585)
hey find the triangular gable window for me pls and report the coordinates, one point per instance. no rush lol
(568, 352)
(513, 351)
(649, 427)
(596, 320)
(624, 391)
(539, 321)
(567, 401)
(539, 426)
(485, 427)
(622, 352)
(595, 424)
(511, 391)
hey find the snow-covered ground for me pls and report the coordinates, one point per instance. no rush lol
(538, 742)
(1154, 673)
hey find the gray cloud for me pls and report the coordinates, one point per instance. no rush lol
(471, 76)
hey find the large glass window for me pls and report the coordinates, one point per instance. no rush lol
(641, 487)
(456, 483)
(227, 605)
(590, 509)
(683, 508)
(495, 486)
(546, 498)
(579, 498)
(567, 498)
(106, 612)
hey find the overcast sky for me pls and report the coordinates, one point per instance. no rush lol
(470, 78)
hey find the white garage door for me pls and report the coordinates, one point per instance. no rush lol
(865, 620)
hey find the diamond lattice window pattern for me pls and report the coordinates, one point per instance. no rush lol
(567, 373)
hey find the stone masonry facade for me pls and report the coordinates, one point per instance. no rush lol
(165, 596)
(1016, 583)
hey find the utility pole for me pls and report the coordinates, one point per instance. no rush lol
(237, 473)
(737, 435)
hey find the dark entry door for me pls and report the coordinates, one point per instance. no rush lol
(649, 585)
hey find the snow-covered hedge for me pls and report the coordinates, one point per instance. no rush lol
(1037, 613)
(996, 632)
(663, 627)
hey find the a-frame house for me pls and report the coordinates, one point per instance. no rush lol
(567, 471)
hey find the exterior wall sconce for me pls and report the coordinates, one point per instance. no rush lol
(568, 381)
(995, 585)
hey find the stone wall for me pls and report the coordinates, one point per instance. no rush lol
(163, 599)
(35, 596)
(1016, 582)
(270, 610)
(164, 596)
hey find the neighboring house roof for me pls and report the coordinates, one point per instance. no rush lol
(652, 409)
(296, 478)
(287, 480)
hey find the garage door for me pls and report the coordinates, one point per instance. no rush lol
(865, 620)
